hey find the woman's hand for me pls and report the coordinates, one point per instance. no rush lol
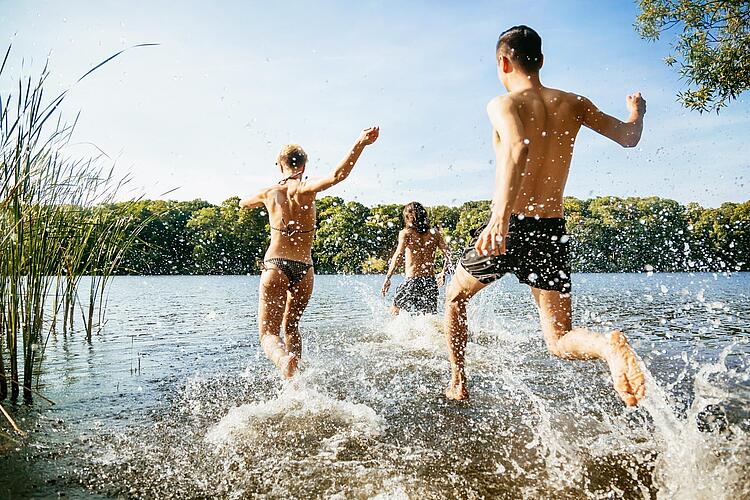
(369, 135)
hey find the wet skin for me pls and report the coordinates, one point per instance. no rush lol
(419, 250)
(291, 214)
(533, 135)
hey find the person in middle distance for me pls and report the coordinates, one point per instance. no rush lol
(419, 241)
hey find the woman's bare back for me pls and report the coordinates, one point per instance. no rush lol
(291, 214)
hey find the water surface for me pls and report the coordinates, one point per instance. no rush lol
(174, 398)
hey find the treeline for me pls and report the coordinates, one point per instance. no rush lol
(608, 235)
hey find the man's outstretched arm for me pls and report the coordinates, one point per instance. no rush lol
(395, 262)
(511, 153)
(344, 168)
(627, 133)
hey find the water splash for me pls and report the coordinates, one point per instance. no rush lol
(366, 418)
(298, 407)
(701, 455)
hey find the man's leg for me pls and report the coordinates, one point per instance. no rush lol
(296, 302)
(271, 305)
(564, 341)
(462, 287)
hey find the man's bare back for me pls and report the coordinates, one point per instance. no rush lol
(419, 252)
(549, 121)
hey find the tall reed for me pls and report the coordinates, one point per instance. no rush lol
(56, 226)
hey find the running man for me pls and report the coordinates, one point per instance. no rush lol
(287, 279)
(533, 131)
(419, 293)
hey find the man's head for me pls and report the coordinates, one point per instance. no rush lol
(415, 217)
(519, 49)
(292, 158)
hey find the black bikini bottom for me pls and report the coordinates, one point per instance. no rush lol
(294, 270)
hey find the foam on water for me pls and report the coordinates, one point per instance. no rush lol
(701, 456)
(366, 417)
(415, 333)
(689, 458)
(298, 405)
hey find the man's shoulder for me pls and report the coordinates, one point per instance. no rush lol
(502, 100)
(565, 95)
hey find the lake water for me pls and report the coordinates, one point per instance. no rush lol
(174, 398)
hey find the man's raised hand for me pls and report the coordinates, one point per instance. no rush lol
(636, 104)
(369, 135)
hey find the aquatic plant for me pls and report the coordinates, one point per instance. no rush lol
(57, 225)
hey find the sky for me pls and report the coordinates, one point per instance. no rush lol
(204, 113)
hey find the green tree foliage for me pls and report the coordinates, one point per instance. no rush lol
(472, 214)
(383, 225)
(227, 240)
(721, 236)
(608, 234)
(341, 244)
(626, 235)
(712, 48)
(163, 247)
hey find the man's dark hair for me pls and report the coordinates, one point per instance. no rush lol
(523, 45)
(415, 216)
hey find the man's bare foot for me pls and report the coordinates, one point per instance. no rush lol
(627, 376)
(456, 390)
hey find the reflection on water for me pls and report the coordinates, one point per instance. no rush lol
(174, 399)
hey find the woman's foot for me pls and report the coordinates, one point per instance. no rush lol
(288, 365)
(457, 390)
(275, 350)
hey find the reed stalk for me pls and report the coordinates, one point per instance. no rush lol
(55, 228)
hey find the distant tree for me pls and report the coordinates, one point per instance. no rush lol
(629, 235)
(608, 234)
(472, 215)
(444, 217)
(341, 245)
(162, 247)
(383, 225)
(253, 233)
(226, 239)
(712, 47)
(723, 234)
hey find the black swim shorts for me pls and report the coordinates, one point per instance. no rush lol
(536, 252)
(417, 295)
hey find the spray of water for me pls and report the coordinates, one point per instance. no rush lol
(366, 418)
